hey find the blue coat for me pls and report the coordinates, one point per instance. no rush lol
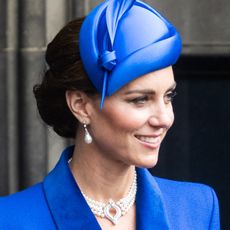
(57, 203)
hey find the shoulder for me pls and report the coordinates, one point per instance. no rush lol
(171, 187)
(24, 199)
(188, 193)
(187, 199)
(24, 208)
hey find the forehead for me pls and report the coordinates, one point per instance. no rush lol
(160, 79)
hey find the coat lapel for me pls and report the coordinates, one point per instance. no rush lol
(64, 198)
(70, 210)
(150, 212)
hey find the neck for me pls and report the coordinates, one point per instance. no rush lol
(98, 177)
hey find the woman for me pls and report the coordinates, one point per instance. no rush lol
(111, 91)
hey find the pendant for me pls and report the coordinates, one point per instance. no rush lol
(88, 139)
(112, 205)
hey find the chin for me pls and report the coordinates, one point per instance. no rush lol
(148, 162)
(149, 165)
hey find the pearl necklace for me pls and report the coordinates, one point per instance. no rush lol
(120, 207)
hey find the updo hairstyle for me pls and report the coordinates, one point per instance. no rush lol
(65, 72)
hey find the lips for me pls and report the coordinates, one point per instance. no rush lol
(150, 140)
(154, 140)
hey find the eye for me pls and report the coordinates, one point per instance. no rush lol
(170, 96)
(139, 100)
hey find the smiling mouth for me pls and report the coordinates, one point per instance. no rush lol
(149, 140)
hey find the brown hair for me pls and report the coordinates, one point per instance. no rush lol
(65, 72)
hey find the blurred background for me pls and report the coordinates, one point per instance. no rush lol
(196, 148)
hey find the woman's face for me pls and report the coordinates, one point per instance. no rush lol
(134, 121)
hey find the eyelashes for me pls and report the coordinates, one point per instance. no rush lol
(171, 95)
(144, 99)
(140, 99)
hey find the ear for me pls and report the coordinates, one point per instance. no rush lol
(77, 102)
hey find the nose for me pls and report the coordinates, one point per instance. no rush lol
(162, 116)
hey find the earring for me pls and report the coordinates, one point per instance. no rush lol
(88, 139)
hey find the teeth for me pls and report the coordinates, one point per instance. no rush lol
(151, 140)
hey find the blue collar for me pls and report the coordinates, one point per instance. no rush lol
(70, 211)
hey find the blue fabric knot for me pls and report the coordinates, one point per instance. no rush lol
(108, 59)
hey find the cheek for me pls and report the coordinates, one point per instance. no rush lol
(126, 120)
(171, 117)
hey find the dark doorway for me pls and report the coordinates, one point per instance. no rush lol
(197, 147)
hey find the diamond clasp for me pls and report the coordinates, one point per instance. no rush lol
(112, 206)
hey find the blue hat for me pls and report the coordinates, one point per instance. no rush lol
(121, 40)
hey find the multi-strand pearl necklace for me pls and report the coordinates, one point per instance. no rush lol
(120, 207)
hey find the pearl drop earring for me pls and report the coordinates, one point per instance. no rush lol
(88, 139)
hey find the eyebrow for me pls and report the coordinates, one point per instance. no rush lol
(149, 91)
(172, 87)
